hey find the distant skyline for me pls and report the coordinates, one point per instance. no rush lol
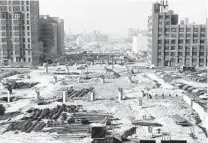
(115, 17)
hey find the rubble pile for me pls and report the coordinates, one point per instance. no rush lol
(8, 73)
(111, 75)
(57, 120)
(72, 93)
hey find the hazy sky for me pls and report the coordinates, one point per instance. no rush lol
(115, 17)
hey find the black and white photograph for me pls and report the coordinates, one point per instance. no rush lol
(103, 71)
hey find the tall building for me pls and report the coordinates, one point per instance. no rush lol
(51, 33)
(139, 43)
(19, 32)
(173, 44)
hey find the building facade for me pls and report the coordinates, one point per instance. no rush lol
(173, 44)
(19, 32)
(51, 33)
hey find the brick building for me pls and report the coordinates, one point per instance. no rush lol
(173, 44)
(19, 32)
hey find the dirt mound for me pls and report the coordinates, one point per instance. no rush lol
(111, 75)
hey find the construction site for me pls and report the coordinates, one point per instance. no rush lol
(102, 104)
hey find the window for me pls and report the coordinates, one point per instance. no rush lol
(27, 8)
(166, 53)
(172, 53)
(160, 29)
(28, 16)
(201, 60)
(159, 47)
(195, 41)
(202, 35)
(173, 29)
(3, 39)
(188, 35)
(3, 22)
(166, 41)
(202, 48)
(3, 33)
(3, 27)
(180, 47)
(28, 52)
(28, 39)
(16, 40)
(16, 2)
(3, 2)
(188, 41)
(29, 60)
(28, 22)
(188, 29)
(159, 54)
(181, 35)
(181, 29)
(167, 35)
(167, 29)
(28, 33)
(195, 29)
(166, 47)
(180, 41)
(187, 47)
(180, 53)
(172, 47)
(167, 22)
(23, 27)
(201, 54)
(160, 17)
(180, 60)
(195, 35)
(16, 8)
(159, 41)
(23, 8)
(3, 8)
(187, 53)
(23, 39)
(173, 41)
(16, 28)
(173, 35)
(28, 27)
(23, 46)
(23, 22)
(202, 41)
(22, 2)
(28, 46)
(203, 30)
(194, 54)
(27, 2)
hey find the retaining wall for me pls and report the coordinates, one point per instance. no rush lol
(198, 109)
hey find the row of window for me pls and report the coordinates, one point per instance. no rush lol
(15, 28)
(194, 61)
(181, 54)
(14, 2)
(15, 33)
(182, 29)
(14, 15)
(182, 35)
(4, 46)
(181, 41)
(181, 48)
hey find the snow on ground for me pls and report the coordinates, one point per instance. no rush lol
(106, 93)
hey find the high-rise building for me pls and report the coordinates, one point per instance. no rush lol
(139, 43)
(51, 33)
(19, 32)
(173, 44)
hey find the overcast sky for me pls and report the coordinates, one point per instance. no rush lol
(115, 17)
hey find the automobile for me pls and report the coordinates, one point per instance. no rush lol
(203, 96)
(186, 87)
(190, 89)
(59, 69)
(81, 67)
